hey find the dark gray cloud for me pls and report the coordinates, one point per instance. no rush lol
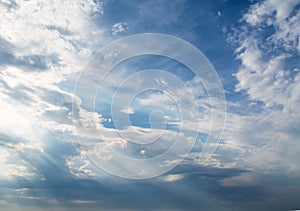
(200, 188)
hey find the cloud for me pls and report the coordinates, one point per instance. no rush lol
(267, 47)
(198, 188)
(247, 179)
(42, 45)
(173, 177)
(117, 28)
(46, 45)
(260, 12)
(128, 110)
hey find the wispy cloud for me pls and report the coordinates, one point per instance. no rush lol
(268, 48)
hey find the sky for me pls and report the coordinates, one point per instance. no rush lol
(149, 105)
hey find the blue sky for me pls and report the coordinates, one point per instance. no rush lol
(63, 119)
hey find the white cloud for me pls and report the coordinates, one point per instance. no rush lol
(83, 202)
(128, 110)
(173, 177)
(80, 166)
(60, 30)
(268, 60)
(259, 12)
(118, 28)
(64, 33)
(62, 36)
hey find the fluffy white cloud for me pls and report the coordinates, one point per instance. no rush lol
(49, 44)
(268, 48)
(118, 28)
(44, 44)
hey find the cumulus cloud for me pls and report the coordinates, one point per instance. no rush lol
(58, 39)
(43, 44)
(267, 47)
(117, 28)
